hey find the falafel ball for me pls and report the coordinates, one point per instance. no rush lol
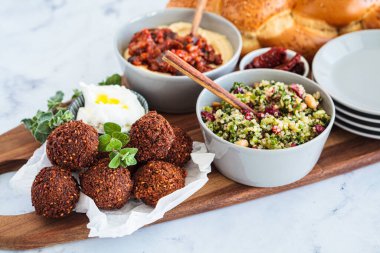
(157, 179)
(153, 136)
(55, 192)
(179, 153)
(72, 145)
(109, 188)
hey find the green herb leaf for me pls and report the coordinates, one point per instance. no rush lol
(77, 93)
(115, 162)
(130, 161)
(104, 140)
(55, 100)
(131, 151)
(110, 127)
(40, 137)
(114, 144)
(124, 138)
(43, 116)
(43, 127)
(113, 154)
(115, 79)
(28, 123)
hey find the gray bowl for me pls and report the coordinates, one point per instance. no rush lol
(172, 94)
(257, 167)
(79, 102)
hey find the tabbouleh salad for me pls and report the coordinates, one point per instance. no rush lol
(285, 116)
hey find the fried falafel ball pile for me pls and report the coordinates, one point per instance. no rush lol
(153, 136)
(109, 188)
(72, 145)
(180, 150)
(156, 140)
(164, 149)
(157, 179)
(55, 192)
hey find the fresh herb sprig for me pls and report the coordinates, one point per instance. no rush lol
(114, 141)
(115, 79)
(44, 122)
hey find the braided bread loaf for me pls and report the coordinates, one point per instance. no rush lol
(300, 25)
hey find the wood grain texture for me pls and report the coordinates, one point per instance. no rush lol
(343, 152)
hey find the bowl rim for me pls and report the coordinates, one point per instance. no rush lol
(289, 149)
(160, 75)
(265, 49)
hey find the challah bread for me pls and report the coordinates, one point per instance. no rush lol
(248, 16)
(338, 13)
(295, 33)
(211, 6)
(301, 25)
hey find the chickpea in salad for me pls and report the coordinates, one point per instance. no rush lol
(285, 116)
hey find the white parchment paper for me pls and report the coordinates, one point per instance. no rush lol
(134, 214)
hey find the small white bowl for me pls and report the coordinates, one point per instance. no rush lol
(262, 167)
(166, 93)
(289, 54)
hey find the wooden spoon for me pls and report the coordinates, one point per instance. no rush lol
(198, 16)
(203, 80)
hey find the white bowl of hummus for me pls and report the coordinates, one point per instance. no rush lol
(215, 53)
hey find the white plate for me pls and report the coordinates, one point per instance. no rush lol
(355, 130)
(358, 124)
(350, 113)
(348, 68)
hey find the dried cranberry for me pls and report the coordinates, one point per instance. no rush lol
(293, 144)
(250, 104)
(289, 65)
(207, 116)
(299, 68)
(272, 111)
(260, 115)
(238, 90)
(270, 59)
(319, 129)
(248, 115)
(297, 90)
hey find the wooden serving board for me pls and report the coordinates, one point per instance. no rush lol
(343, 152)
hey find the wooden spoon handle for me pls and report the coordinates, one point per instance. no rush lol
(198, 16)
(203, 80)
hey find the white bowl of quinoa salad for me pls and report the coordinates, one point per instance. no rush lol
(278, 144)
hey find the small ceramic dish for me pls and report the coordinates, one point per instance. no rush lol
(166, 93)
(79, 102)
(259, 167)
(252, 55)
(348, 68)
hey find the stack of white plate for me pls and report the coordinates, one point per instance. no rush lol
(348, 67)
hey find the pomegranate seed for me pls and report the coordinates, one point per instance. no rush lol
(260, 115)
(207, 116)
(238, 90)
(248, 115)
(319, 129)
(272, 111)
(276, 129)
(250, 104)
(296, 89)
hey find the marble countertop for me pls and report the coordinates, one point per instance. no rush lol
(49, 45)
